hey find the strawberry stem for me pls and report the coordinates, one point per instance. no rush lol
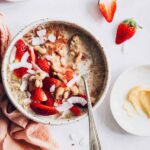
(132, 23)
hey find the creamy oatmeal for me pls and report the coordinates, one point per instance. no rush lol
(45, 71)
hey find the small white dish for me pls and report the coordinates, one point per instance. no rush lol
(136, 76)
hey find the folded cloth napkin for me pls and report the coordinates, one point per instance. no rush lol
(16, 131)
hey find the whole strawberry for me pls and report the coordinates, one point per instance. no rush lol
(126, 30)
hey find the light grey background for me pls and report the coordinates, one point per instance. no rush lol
(136, 51)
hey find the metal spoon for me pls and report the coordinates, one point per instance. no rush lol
(93, 135)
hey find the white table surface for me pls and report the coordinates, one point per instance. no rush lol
(136, 51)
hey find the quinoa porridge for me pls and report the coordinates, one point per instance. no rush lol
(45, 68)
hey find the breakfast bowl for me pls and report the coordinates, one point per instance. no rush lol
(42, 69)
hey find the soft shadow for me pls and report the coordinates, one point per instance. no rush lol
(93, 11)
(10, 2)
(2, 1)
(5, 1)
(106, 116)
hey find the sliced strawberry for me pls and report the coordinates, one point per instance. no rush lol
(76, 110)
(43, 109)
(50, 100)
(57, 82)
(48, 82)
(43, 64)
(109, 12)
(38, 95)
(69, 74)
(20, 49)
(78, 104)
(20, 72)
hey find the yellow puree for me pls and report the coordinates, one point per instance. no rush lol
(140, 99)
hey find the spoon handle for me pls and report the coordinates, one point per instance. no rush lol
(93, 135)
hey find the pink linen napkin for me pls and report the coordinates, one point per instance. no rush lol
(16, 131)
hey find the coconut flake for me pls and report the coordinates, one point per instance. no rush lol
(41, 33)
(77, 100)
(37, 41)
(30, 71)
(64, 107)
(25, 57)
(52, 38)
(27, 101)
(24, 85)
(52, 88)
(13, 55)
(19, 65)
(73, 81)
(49, 57)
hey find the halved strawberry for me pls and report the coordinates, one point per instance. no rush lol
(20, 72)
(43, 64)
(76, 110)
(43, 109)
(69, 74)
(38, 95)
(48, 82)
(20, 49)
(50, 100)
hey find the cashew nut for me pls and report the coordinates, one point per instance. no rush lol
(75, 90)
(66, 94)
(38, 83)
(59, 92)
(40, 75)
(60, 76)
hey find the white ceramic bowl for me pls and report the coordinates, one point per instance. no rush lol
(39, 118)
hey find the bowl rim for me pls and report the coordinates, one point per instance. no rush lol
(8, 91)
